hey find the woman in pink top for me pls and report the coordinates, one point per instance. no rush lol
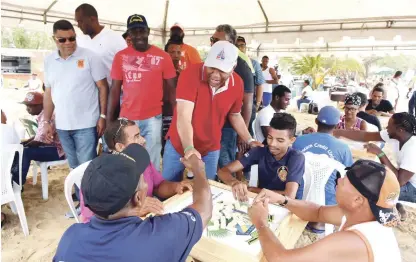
(350, 121)
(119, 135)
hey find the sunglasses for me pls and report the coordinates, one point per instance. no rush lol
(64, 39)
(123, 122)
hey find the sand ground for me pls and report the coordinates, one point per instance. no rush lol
(47, 222)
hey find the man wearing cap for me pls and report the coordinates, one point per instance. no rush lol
(366, 197)
(37, 148)
(323, 142)
(115, 190)
(207, 95)
(189, 53)
(142, 69)
(102, 40)
(229, 140)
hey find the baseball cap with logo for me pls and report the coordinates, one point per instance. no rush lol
(223, 56)
(136, 21)
(380, 186)
(111, 180)
(177, 25)
(329, 115)
(33, 98)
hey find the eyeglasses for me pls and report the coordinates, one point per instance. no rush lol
(123, 123)
(352, 109)
(64, 39)
(213, 40)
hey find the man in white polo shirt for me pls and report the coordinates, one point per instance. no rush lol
(102, 40)
(77, 89)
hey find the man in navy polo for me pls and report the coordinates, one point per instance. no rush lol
(114, 189)
(280, 167)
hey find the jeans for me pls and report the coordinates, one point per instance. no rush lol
(151, 130)
(408, 193)
(228, 146)
(267, 98)
(412, 104)
(79, 146)
(42, 154)
(304, 100)
(173, 167)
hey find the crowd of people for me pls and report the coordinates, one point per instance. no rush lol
(145, 103)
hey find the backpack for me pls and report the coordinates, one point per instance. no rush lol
(313, 108)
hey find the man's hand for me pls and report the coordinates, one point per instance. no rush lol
(373, 149)
(49, 133)
(101, 124)
(274, 198)
(191, 152)
(372, 112)
(309, 130)
(259, 213)
(183, 186)
(256, 144)
(151, 205)
(242, 145)
(193, 162)
(240, 191)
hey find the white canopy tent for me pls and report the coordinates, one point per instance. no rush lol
(268, 25)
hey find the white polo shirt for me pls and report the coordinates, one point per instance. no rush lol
(405, 156)
(73, 88)
(106, 44)
(263, 119)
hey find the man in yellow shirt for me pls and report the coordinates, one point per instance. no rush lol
(189, 53)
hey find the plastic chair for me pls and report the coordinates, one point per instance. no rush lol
(254, 176)
(318, 169)
(253, 126)
(44, 174)
(74, 177)
(10, 191)
(30, 126)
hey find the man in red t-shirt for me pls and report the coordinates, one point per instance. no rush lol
(207, 94)
(142, 68)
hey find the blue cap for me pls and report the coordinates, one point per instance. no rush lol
(135, 21)
(329, 115)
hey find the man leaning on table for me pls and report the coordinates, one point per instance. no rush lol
(115, 190)
(366, 198)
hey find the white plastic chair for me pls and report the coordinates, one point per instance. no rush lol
(74, 177)
(10, 191)
(318, 169)
(44, 174)
(254, 176)
(253, 126)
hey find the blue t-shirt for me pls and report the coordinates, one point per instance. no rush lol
(274, 174)
(163, 238)
(321, 143)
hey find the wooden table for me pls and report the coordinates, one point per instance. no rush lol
(209, 250)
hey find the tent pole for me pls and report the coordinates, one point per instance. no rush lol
(264, 14)
(165, 18)
(47, 10)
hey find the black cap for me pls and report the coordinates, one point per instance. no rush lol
(111, 180)
(379, 186)
(240, 38)
(135, 21)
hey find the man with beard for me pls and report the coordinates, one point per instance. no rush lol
(280, 167)
(207, 95)
(104, 41)
(142, 69)
(189, 54)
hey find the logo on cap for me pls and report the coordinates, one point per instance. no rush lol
(135, 19)
(392, 198)
(221, 55)
(30, 97)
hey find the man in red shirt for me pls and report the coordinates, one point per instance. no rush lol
(142, 68)
(207, 94)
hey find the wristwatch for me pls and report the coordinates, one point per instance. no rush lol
(285, 202)
(103, 116)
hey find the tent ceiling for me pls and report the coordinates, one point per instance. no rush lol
(283, 21)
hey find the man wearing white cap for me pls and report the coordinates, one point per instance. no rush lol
(189, 54)
(207, 95)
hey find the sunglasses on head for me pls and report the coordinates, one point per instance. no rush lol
(64, 39)
(123, 123)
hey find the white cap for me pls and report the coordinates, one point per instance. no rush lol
(223, 56)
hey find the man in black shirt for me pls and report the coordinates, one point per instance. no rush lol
(366, 116)
(377, 105)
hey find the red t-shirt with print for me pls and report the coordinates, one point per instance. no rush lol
(210, 109)
(142, 74)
